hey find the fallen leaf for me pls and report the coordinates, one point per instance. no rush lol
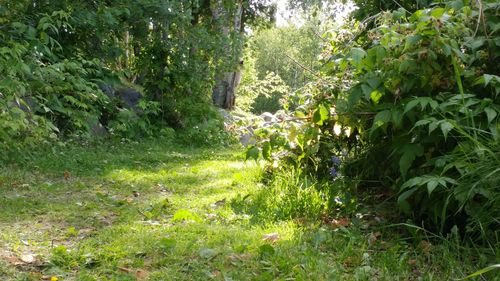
(67, 175)
(211, 216)
(124, 269)
(271, 237)
(373, 237)
(27, 258)
(215, 274)
(141, 274)
(14, 260)
(342, 222)
(425, 246)
(412, 262)
(219, 203)
(351, 262)
(86, 230)
(239, 257)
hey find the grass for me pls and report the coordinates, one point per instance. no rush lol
(154, 211)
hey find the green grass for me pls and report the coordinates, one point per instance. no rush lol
(154, 211)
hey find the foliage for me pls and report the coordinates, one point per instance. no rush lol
(275, 63)
(285, 51)
(150, 208)
(54, 54)
(417, 96)
(285, 196)
(40, 95)
(263, 95)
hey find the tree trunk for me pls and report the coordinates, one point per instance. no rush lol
(228, 75)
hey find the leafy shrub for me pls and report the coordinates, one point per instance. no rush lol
(53, 57)
(204, 127)
(42, 96)
(414, 106)
(265, 95)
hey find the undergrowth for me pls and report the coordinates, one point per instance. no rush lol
(152, 210)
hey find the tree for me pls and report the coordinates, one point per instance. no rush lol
(230, 19)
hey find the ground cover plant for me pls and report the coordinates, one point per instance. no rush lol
(149, 211)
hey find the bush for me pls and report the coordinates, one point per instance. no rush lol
(412, 105)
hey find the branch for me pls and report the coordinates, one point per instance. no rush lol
(303, 67)
(309, 117)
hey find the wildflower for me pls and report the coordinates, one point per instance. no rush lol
(333, 172)
(335, 160)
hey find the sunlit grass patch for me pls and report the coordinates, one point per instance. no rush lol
(187, 214)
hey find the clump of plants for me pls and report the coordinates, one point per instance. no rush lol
(412, 105)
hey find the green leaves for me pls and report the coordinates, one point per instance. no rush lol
(411, 41)
(207, 253)
(381, 118)
(185, 215)
(409, 153)
(423, 102)
(430, 182)
(252, 153)
(266, 150)
(490, 113)
(419, 94)
(433, 123)
(321, 114)
(375, 96)
(357, 55)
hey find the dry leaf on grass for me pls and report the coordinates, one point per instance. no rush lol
(412, 262)
(218, 203)
(139, 274)
(342, 222)
(28, 258)
(373, 237)
(13, 260)
(271, 237)
(425, 246)
(239, 257)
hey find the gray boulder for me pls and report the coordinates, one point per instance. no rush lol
(126, 96)
(130, 97)
(96, 129)
(108, 90)
(268, 117)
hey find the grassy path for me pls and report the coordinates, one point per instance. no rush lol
(151, 211)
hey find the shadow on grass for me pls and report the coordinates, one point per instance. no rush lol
(94, 210)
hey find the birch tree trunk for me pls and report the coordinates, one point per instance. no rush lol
(228, 77)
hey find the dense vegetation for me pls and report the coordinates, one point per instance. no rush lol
(65, 65)
(409, 106)
(374, 123)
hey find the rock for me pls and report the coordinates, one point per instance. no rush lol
(96, 129)
(28, 104)
(130, 97)
(268, 117)
(246, 139)
(108, 90)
